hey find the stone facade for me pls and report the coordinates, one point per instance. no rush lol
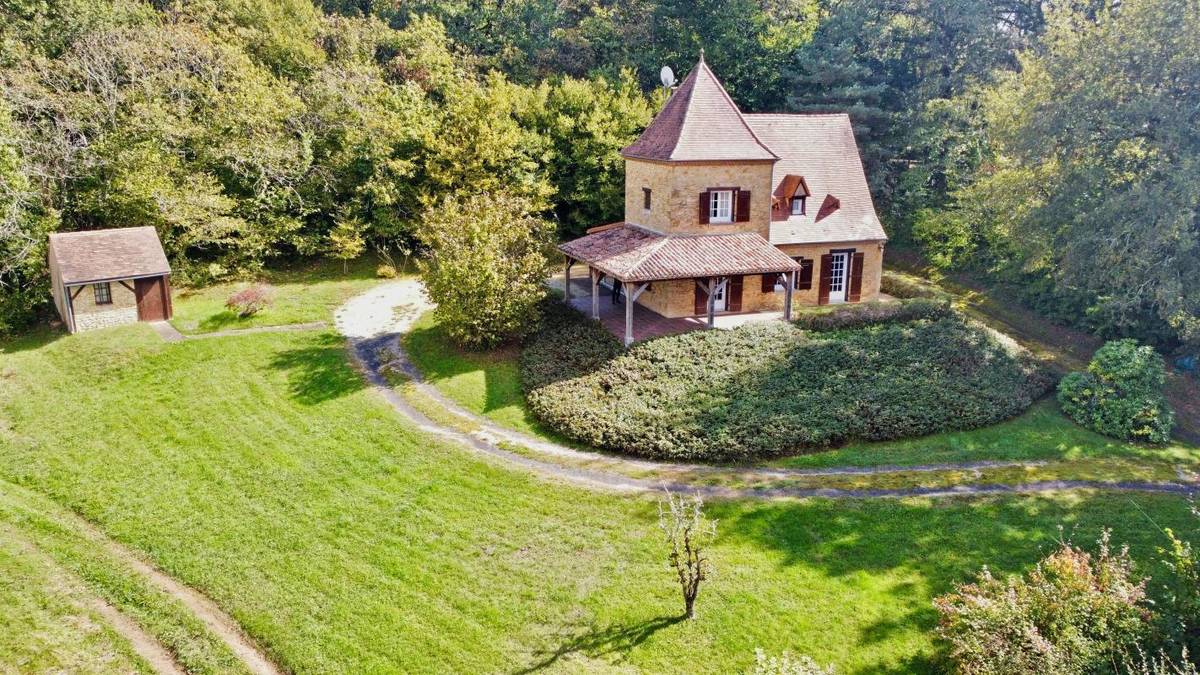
(675, 194)
(90, 316)
(872, 267)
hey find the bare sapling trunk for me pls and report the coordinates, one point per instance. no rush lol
(688, 533)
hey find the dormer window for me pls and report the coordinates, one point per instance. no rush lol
(798, 205)
(720, 207)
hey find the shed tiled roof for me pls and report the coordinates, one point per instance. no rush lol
(821, 148)
(102, 255)
(699, 123)
(631, 253)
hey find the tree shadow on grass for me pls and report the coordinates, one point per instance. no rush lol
(221, 320)
(438, 358)
(619, 639)
(318, 372)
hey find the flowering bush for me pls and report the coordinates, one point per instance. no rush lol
(1120, 394)
(786, 664)
(1074, 613)
(251, 300)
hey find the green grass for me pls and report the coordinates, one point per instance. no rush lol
(46, 621)
(304, 292)
(258, 469)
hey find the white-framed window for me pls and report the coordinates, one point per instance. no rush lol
(720, 206)
(102, 293)
(797, 206)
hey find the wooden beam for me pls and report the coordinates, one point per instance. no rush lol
(712, 302)
(567, 285)
(595, 274)
(130, 288)
(637, 291)
(789, 282)
(628, 313)
(78, 290)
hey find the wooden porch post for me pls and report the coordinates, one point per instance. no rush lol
(595, 274)
(567, 285)
(712, 302)
(787, 296)
(629, 293)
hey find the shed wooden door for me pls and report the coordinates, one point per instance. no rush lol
(152, 301)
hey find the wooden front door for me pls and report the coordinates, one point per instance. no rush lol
(152, 300)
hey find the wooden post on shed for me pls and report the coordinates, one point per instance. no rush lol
(712, 302)
(567, 283)
(787, 295)
(595, 274)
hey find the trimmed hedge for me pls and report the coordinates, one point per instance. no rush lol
(874, 313)
(901, 285)
(565, 345)
(771, 388)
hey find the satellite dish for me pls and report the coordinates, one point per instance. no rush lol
(667, 76)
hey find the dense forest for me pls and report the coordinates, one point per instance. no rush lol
(1051, 147)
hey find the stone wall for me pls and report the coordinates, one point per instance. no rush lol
(872, 267)
(90, 316)
(676, 189)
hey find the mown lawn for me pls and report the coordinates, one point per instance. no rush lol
(258, 469)
(305, 292)
(489, 384)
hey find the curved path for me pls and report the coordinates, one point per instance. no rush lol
(374, 322)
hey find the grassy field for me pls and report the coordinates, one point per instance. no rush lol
(258, 469)
(304, 292)
(488, 384)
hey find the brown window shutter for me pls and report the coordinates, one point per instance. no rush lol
(743, 206)
(778, 210)
(856, 270)
(804, 276)
(826, 279)
(701, 306)
(735, 294)
(704, 206)
(768, 282)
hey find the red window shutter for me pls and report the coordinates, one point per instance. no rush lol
(701, 305)
(804, 276)
(826, 279)
(856, 270)
(743, 206)
(704, 206)
(768, 282)
(735, 294)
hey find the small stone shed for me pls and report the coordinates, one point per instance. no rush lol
(102, 278)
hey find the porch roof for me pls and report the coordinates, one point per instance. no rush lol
(631, 253)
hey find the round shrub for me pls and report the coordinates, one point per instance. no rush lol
(771, 388)
(385, 271)
(1120, 394)
(251, 300)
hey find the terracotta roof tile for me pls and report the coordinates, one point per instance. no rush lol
(631, 253)
(822, 149)
(98, 255)
(699, 123)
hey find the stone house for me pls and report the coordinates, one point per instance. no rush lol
(728, 212)
(102, 278)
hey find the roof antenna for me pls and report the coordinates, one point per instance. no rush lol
(667, 76)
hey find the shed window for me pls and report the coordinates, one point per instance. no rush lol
(646, 198)
(721, 206)
(103, 293)
(797, 206)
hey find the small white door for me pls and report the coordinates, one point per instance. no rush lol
(719, 296)
(839, 273)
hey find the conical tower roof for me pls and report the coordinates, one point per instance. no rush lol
(699, 123)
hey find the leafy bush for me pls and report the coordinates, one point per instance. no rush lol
(1120, 394)
(251, 300)
(486, 267)
(874, 313)
(385, 271)
(786, 664)
(770, 388)
(567, 344)
(1074, 613)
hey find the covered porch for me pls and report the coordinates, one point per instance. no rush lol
(630, 259)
